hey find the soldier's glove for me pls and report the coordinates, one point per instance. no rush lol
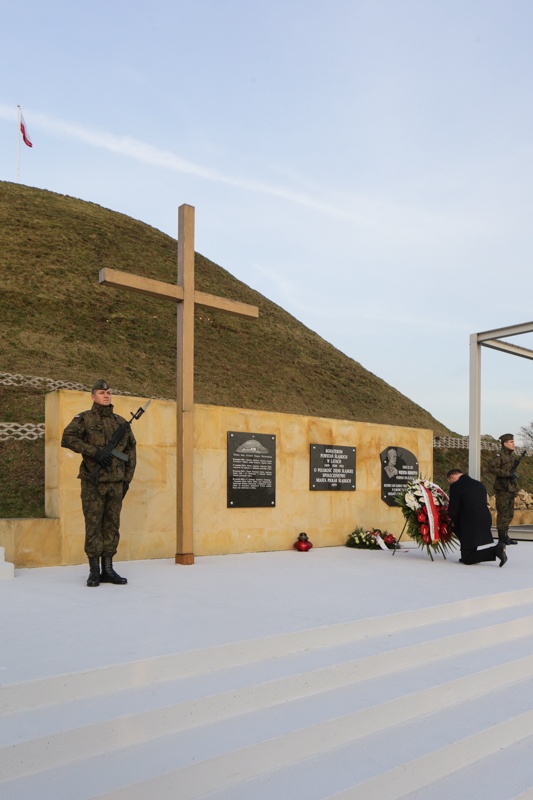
(125, 487)
(103, 460)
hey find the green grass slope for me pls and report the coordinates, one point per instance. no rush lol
(56, 321)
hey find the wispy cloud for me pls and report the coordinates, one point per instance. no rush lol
(148, 154)
(407, 223)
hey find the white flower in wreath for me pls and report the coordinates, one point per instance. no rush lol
(411, 501)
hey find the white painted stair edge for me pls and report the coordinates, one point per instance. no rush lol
(94, 740)
(91, 741)
(63, 688)
(424, 771)
(206, 777)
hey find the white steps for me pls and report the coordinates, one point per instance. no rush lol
(397, 706)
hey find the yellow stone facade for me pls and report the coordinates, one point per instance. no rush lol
(148, 524)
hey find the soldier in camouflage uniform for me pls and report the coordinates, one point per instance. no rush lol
(505, 486)
(102, 499)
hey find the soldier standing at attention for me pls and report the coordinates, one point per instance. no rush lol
(505, 486)
(104, 480)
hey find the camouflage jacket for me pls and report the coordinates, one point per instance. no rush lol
(89, 432)
(502, 465)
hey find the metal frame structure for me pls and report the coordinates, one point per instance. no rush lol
(477, 341)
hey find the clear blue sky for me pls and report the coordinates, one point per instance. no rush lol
(367, 165)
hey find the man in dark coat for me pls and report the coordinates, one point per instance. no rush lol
(471, 519)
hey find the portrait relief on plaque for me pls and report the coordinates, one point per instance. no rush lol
(398, 468)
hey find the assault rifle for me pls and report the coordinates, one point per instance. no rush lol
(513, 473)
(105, 455)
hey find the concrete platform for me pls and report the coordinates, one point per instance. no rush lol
(335, 673)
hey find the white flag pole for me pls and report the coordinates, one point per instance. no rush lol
(18, 144)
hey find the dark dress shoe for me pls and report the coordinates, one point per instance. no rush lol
(501, 554)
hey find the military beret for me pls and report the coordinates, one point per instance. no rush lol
(101, 384)
(506, 437)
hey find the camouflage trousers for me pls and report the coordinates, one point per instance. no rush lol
(504, 509)
(101, 506)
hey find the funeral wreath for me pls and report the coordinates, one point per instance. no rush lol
(425, 508)
(371, 540)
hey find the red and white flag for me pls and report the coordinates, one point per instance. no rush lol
(24, 131)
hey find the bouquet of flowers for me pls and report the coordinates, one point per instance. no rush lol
(371, 540)
(425, 508)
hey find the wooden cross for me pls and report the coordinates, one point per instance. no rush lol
(186, 297)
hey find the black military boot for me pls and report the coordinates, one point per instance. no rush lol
(506, 539)
(108, 573)
(503, 537)
(94, 571)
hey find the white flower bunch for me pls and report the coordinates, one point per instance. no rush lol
(411, 501)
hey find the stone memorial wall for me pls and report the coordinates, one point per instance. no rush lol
(148, 525)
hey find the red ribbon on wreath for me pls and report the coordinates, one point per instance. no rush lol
(432, 513)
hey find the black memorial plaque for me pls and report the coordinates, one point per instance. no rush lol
(251, 470)
(398, 468)
(331, 468)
